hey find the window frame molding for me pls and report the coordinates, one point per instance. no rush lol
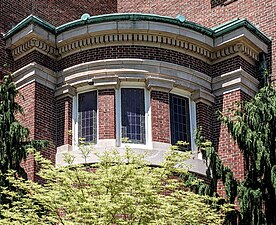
(75, 137)
(148, 123)
(192, 114)
(148, 120)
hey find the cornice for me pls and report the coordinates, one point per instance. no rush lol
(147, 30)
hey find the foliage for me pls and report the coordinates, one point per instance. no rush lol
(253, 128)
(121, 189)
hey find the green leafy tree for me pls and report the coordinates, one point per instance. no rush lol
(120, 189)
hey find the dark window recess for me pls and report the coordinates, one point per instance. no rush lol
(133, 115)
(179, 119)
(87, 116)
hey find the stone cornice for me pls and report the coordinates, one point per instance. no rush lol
(235, 80)
(146, 33)
(35, 72)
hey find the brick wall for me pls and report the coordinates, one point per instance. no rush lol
(52, 11)
(229, 151)
(39, 116)
(28, 120)
(140, 52)
(204, 119)
(106, 108)
(113, 52)
(160, 116)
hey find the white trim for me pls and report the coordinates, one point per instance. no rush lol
(192, 114)
(75, 137)
(148, 130)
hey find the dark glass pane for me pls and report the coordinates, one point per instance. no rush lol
(87, 116)
(133, 115)
(179, 119)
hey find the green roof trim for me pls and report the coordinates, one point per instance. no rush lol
(24, 23)
(211, 32)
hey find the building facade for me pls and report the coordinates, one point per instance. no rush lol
(143, 73)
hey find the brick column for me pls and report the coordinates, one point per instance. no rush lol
(160, 114)
(106, 108)
(64, 121)
(39, 116)
(229, 152)
(204, 119)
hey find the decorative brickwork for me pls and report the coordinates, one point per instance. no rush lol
(106, 107)
(37, 57)
(140, 52)
(160, 115)
(64, 121)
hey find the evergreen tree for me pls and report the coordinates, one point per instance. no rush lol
(13, 136)
(253, 128)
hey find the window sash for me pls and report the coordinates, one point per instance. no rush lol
(179, 119)
(87, 116)
(133, 115)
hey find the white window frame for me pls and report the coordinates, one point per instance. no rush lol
(148, 129)
(192, 115)
(75, 107)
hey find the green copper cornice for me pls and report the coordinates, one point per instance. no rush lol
(214, 32)
(29, 20)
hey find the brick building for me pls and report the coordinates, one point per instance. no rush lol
(148, 71)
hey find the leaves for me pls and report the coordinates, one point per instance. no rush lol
(120, 189)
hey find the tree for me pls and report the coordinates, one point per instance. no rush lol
(13, 135)
(253, 127)
(120, 189)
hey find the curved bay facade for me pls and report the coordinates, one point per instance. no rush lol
(133, 79)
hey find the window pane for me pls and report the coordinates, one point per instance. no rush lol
(179, 119)
(87, 116)
(133, 115)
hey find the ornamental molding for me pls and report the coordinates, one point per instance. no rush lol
(235, 80)
(149, 34)
(34, 44)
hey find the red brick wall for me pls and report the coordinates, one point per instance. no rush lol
(211, 13)
(64, 121)
(39, 116)
(140, 52)
(52, 11)
(229, 152)
(106, 107)
(28, 120)
(160, 116)
(204, 119)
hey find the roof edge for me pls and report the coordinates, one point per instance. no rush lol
(211, 32)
